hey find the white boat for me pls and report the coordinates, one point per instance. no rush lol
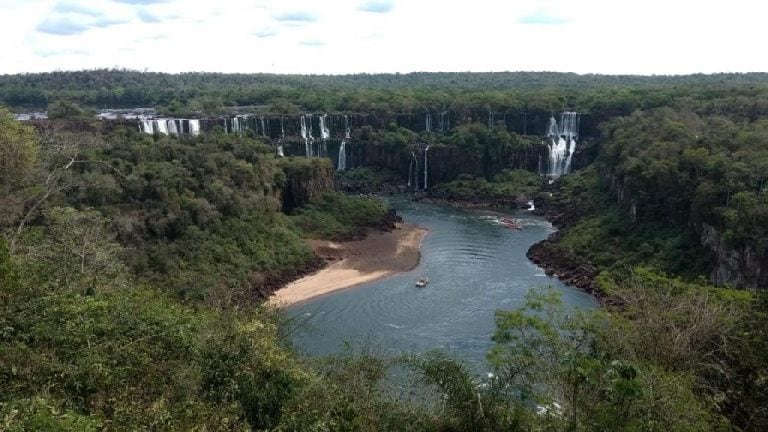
(422, 282)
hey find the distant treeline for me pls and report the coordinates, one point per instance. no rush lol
(607, 95)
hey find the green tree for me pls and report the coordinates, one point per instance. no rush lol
(68, 110)
(18, 156)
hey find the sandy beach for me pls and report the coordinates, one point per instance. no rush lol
(379, 255)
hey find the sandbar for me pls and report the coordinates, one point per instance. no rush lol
(378, 255)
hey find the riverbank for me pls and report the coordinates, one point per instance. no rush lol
(378, 255)
(563, 210)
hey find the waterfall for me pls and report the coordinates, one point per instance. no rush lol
(425, 167)
(410, 171)
(146, 126)
(443, 124)
(562, 142)
(307, 150)
(343, 147)
(310, 137)
(280, 151)
(194, 127)
(428, 123)
(490, 119)
(161, 126)
(415, 164)
(342, 156)
(325, 133)
(171, 126)
(263, 128)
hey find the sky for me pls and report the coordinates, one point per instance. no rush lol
(374, 36)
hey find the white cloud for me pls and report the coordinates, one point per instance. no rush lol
(302, 36)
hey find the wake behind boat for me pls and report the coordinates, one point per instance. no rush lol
(422, 282)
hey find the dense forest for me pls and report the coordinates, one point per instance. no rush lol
(133, 266)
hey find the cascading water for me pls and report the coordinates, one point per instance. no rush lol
(413, 172)
(307, 149)
(171, 126)
(263, 128)
(443, 124)
(562, 144)
(325, 133)
(490, 119)
(428, 123)
(280, 151)
(146, 126)
(310, 137)
(194, 127)
(343, 147)
(161, 126)
(425, 167)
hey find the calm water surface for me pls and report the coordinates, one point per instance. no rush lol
(475, 267)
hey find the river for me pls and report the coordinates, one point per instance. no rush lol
(475, 266)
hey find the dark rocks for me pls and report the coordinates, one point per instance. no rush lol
(390, 221)
(570, 269)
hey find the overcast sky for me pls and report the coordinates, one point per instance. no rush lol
(349, 36)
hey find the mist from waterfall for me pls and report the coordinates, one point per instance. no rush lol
(562, 142)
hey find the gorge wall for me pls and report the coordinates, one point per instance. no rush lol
(304, 180)
(741, 266)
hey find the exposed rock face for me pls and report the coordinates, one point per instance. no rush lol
(304, 180)
(741, 267)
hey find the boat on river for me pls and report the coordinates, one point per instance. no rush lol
(511, 223)
(422, 282)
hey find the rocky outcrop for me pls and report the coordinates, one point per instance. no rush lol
(305, 179)
(567, 267)
(738, 266)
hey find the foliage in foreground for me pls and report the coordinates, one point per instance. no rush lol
(130, 357)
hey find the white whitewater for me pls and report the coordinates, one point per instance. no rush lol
(171, 126)
(562, 143)
(325, 133)
(342, 165)
(194, 127)
(146, 126)
(307, 150)
(263, 128)
(280, 151)
(425, 167)
(428, 123)
(161, 126)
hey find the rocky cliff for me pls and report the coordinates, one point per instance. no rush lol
(304, 180)
(740, 266)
